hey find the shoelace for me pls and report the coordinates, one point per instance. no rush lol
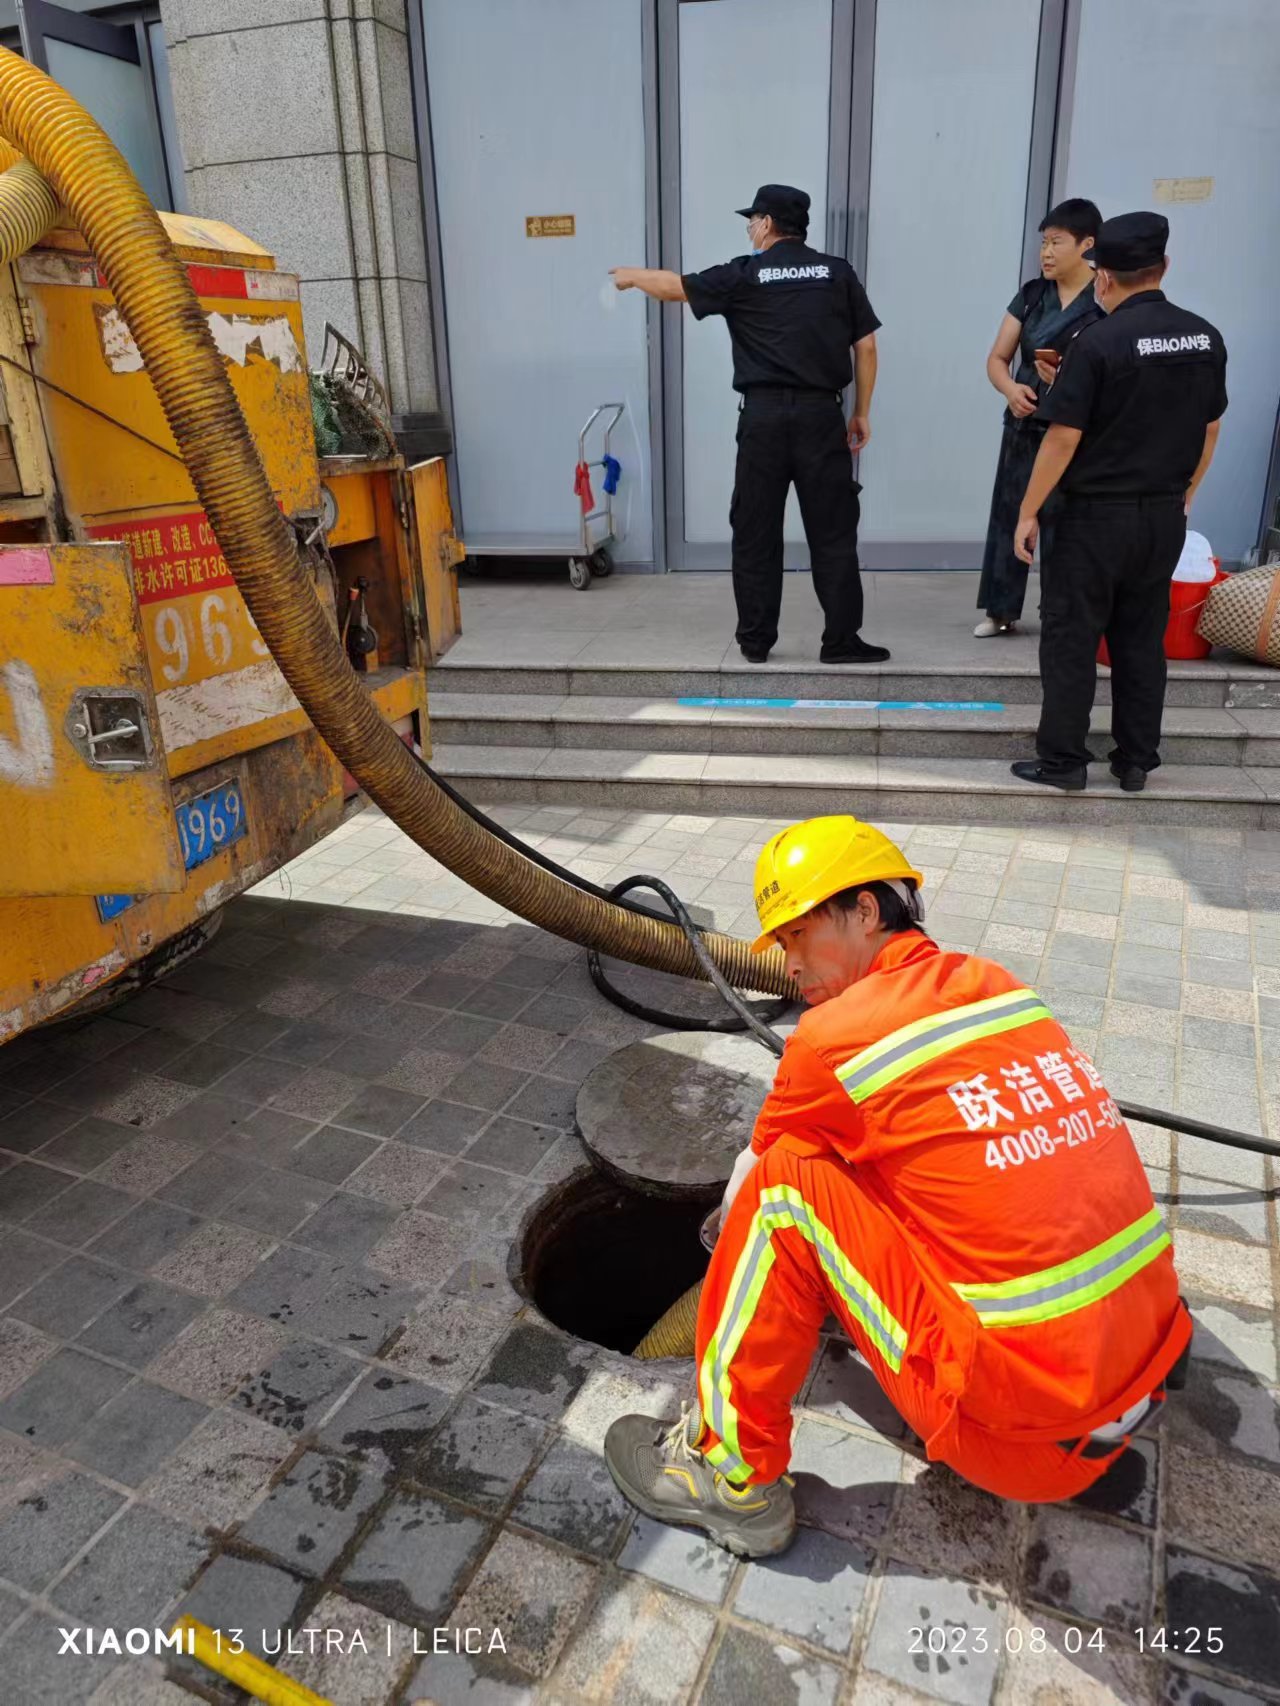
(675, 1442)
(675, 1445)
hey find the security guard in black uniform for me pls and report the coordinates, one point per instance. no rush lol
(793, 314)
(1133, 415)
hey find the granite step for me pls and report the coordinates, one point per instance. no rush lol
(905, 789)
(1193, 735)
(1218, 683)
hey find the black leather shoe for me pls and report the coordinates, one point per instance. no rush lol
(1031, 770)
(854, 651)
(1131, 777)
(754, 654)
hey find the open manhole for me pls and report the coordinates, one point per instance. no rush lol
(604, 1262)
(606, 1254)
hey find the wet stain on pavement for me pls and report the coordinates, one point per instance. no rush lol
(334, 1484)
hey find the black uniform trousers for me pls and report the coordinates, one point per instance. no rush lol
(795, 437)
(1108, 573)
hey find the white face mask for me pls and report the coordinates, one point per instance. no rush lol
(753, 235)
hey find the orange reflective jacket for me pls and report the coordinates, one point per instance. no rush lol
(992, 1142)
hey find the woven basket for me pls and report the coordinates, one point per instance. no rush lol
(1243, 614)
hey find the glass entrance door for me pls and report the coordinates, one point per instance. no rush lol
(954, 92)
(1175, 110)
(922, 131)
(110, 70)
(752, 105)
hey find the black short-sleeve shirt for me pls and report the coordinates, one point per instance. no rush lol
(1141, 385)
(792, 313)
(1046, 324)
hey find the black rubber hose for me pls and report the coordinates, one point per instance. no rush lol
(749, 1018)
(1197, 1128)
(744, 1017)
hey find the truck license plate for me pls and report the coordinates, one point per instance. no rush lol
(211, 822)
(206, 825)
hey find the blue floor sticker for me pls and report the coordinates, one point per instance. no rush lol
(845, 704)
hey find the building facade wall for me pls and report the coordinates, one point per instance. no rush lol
(297, 126)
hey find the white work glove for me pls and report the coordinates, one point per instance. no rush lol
(710, 1230)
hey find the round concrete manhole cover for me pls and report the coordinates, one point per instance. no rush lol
(671, 1114)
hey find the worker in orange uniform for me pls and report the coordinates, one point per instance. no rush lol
(937, 1165)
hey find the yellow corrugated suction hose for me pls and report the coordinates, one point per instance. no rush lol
(675, 1334)
(28, 207)
(88, 174)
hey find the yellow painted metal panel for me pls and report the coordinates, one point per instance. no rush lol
(218, 691)
(266, 731)
(22, 405)
(69, 623)
(440, 553)
(55, 951)
(353, 495)
(403, 692)
(84, 348)
(194, 238)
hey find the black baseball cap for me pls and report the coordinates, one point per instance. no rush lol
(782, 202)
(1130, 242)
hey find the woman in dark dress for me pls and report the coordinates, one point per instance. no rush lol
(1045, 315)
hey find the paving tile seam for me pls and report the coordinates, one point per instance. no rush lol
(1195, 1666)
(727, 1619)
(90, 1353)
(45, 1600)
(1022, 1527)
(1170, 1536)
(612, 1575)
(824, 1654)
(45, 1595)
(330, 1123)
(497, 1523)
(140, 1275)
(879, 1573)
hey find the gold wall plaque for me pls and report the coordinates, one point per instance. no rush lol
(1183, 189)
(549, 225)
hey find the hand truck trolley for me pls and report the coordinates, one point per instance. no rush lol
(588, 554)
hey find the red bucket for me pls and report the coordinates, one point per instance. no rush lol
(1186, 601)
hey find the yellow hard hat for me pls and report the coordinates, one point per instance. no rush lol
(811, 861)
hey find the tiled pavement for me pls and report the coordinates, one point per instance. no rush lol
(260, 1358)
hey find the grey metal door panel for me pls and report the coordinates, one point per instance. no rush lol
(1167, 94)
(537, 111)
(951, 135)
(754, 83)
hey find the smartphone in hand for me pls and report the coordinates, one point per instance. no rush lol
(1050, 357)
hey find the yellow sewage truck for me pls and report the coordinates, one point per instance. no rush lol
(177, 713)
(153, 760)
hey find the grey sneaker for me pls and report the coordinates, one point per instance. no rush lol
(659, 1468)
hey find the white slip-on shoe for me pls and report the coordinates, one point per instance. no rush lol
(988, 628)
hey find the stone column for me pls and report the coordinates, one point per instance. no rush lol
(297, 127)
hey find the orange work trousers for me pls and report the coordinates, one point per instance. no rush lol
(803, 1239)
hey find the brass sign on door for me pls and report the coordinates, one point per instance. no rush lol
(1183, 189)
(549, 225)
